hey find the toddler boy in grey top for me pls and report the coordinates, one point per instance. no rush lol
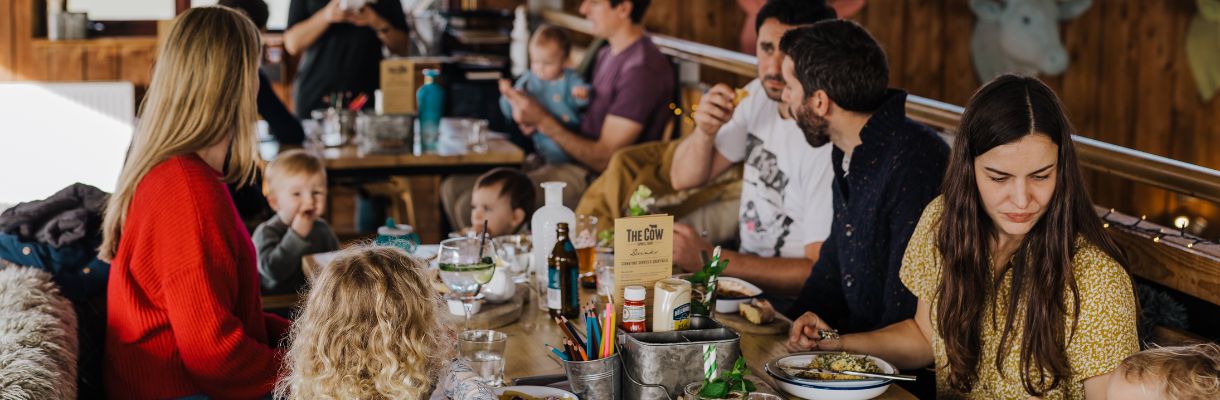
(295, 186)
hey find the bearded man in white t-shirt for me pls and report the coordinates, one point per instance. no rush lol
(786, 202)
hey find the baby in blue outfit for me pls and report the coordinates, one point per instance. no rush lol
(560, 90)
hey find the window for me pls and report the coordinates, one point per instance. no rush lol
(277, 19)
(125, 10)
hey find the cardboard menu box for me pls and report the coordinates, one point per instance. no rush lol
(400, 79)
(643, 255)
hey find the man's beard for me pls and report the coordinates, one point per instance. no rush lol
(815, 127)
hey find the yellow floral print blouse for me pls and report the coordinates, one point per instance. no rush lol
(1105, 333)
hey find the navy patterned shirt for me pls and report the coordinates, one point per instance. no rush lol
(894, 172)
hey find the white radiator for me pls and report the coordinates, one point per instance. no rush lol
(55, 134)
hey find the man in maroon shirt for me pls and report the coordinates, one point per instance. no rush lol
(633, 84)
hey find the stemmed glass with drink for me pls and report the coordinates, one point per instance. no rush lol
(466, 264)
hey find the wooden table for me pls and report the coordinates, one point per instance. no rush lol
(347, 161)
(526, 355)
(424, 172)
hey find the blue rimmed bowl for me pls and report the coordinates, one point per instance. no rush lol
(819, 389)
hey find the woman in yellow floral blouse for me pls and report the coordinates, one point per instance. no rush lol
(1021, 292)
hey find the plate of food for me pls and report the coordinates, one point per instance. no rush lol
(533, 393)
(793, 374)
(732, 292)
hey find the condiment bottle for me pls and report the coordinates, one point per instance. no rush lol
(633, 309)
(671, 305)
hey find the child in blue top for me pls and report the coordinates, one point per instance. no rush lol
(560, 90)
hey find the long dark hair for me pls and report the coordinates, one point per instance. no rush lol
(1004, 111)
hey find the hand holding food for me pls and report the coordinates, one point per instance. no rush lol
(741, 95)
(715, 109)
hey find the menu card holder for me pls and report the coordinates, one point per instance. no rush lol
(643, 255)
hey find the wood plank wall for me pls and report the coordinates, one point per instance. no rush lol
(1128, 83)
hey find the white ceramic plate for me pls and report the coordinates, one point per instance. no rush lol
(732, 306)
(858, 389)
(538, 391)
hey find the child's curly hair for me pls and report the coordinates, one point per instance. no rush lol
(371, 328)
(1189, 372)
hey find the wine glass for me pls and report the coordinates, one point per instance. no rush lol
(466, 264)
(516, 251)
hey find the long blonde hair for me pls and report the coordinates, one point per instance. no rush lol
(371, 328)
(203, 91)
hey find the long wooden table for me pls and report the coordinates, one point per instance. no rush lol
(345, 165)
(347, 161)
(526, 355)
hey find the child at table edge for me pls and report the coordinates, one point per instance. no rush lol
(295, 186)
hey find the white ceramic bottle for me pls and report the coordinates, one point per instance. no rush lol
(542, 226)
(520, 42)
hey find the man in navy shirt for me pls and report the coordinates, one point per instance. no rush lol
(886, 169)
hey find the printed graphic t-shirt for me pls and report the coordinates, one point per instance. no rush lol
(786, 198)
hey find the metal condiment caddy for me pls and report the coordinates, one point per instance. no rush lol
(659, 365)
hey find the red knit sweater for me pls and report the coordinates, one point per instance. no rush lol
(184, 314)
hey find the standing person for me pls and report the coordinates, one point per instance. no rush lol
(786, 210)
(185, 317)
(1021, 291)
(341, 49)
(886, 169)
(403, 349)
(283, 125)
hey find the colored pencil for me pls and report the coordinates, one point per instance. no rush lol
(575, 335)
(591, 319)
(589, 339)
(569, 332)
(557, 353)
(610, 337)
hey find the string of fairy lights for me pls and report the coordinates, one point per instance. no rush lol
(1158, 233)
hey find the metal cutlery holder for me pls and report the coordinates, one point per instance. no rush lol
(659, 365)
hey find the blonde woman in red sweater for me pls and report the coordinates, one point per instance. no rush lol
(184, 317)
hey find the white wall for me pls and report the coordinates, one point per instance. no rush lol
(56, 134)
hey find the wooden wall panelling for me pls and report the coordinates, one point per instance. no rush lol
(61, 62)
(1186, 101)
(1115, 102)
(102, 63)
(136, 62)
(1078, 90)
(23, 36)
(7, 45)
(957, 75)
(1153, 93)
(924, 51)
(886, 20)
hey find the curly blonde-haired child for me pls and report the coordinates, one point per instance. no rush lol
(371, 328)
(1174, 373)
